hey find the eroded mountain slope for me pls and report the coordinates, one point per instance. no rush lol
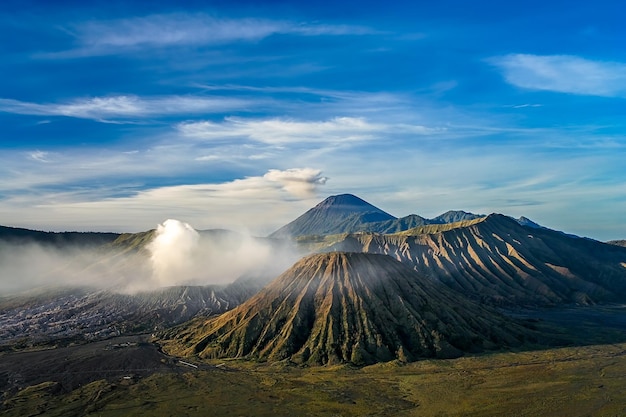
(348, 307)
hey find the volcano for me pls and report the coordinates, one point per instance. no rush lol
(336, 214)
(357, 308)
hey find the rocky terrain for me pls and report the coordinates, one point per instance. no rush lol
(90, 314)
(498, 261)
(349, 308)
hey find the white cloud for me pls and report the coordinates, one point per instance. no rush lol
(125, 106)
(39, 156)
(205, 158)
(285, 131)
(292, 181)
(302, 182)
(104, 37)
(175, 29)
(564, 74)
(358, 110)
(259, 203)
(88, 170)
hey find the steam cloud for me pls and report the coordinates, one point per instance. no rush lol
(178, 255)
(27, 266)
(173, 252)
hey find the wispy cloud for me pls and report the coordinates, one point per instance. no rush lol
(126, 106)
(39, 156)
(396, 107)
(105, 37)
(564, 74)
(316, 103)
(172, 30)
(260, 203)
(523, 106)
(294, 182)
(40, 171)
(285, 131)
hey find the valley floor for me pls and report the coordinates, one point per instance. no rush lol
(572, 381)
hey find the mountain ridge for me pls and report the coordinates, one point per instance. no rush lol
(18, 235)
(498, 261)
(346, 213)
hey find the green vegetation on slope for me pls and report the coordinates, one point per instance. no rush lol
(133, 241)
(581, 381)
(19, 236)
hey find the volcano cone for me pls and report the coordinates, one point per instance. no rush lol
(350, 308)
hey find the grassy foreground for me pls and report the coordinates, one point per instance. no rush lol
(576, 381)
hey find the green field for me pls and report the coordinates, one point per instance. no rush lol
(573, 381)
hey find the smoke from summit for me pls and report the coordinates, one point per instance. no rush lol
(173, 252)
(180, 255)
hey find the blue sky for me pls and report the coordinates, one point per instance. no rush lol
(119, 115)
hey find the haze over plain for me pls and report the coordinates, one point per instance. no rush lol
(242, 115)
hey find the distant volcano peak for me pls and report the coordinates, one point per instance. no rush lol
(347, 200)
(336, 214)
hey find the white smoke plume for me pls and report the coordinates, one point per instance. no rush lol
(174, 253)
(178, 255)
(27, 266)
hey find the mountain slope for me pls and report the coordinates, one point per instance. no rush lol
(15, 235)
(498, 261)
(336, 214)
(348, 307)
(525, 221)
(617, 242)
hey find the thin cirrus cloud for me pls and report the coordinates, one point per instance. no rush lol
(563, 74)
(180, 29)
(125, 106)
(284, 131)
